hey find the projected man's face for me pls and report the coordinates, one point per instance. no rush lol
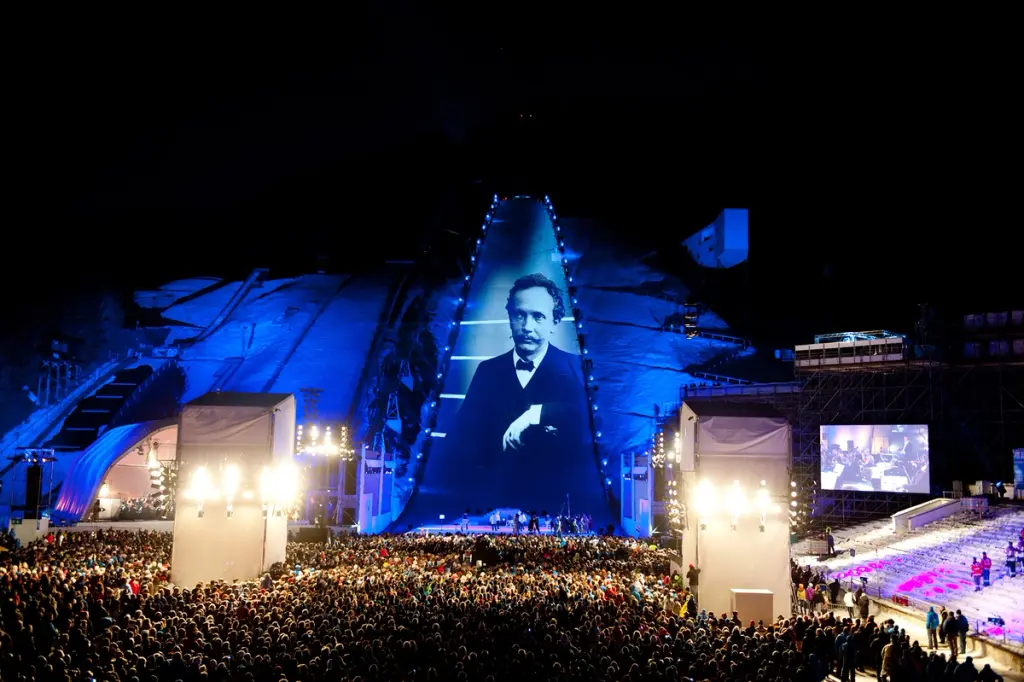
(532, 321)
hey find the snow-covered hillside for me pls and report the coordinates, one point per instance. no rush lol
(636, 365)
(313, 331)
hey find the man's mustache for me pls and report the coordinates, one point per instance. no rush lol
(527, 337)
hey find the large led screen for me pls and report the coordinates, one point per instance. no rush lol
(875, 458)
(513, 429)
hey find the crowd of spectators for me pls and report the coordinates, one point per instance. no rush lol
(87, 606)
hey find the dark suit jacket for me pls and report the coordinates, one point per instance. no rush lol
(542, 468)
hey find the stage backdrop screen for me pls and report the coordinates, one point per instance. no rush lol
(513, 429)
(875, 458)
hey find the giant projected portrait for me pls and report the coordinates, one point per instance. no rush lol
(875, 458)
(513, 429)
(526, 403)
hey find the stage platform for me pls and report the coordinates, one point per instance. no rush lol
(481, 529)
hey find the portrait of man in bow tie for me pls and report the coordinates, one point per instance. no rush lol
(527, 405)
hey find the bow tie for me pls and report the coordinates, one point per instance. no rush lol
(525, 364)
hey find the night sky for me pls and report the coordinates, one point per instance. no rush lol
(140, 160)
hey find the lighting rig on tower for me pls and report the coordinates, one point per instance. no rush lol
(163, 478)
(326, 441)
(658, 459)
(802, 499)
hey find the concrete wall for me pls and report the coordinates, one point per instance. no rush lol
(921, 514)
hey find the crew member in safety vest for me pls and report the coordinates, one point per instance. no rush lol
(976, 574)
(1011, 559)
(986, 568)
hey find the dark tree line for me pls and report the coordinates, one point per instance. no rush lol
(82, 327)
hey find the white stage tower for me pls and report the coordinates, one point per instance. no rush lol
(735, 484)
(236, 481)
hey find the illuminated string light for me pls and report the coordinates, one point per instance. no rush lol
(658, 460)
(589, 385)
(801, 506)
(453, 326)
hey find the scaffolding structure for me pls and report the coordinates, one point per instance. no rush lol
(907, 392)
(973, 406)
(975, 414)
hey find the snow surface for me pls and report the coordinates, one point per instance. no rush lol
(203, 309)
(172, 292)
(635, 365)
(313, 331)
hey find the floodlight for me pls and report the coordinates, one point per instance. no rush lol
(279, 485)
(704, 498)
(201, 487)
(231, 477)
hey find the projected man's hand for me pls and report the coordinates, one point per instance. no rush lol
(513, 438)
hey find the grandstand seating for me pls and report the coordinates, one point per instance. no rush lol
(930, 566)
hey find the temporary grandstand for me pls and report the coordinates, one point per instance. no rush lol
(930, 566)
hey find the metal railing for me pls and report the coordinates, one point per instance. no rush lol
(739, 390)
(39, 421)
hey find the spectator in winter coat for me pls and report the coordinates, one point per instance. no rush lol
(966, 672)
(864, 605)
(931, 624)
(962, 626)
(693, 579)
(891, 655)
(848, 600)
(952, 628)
